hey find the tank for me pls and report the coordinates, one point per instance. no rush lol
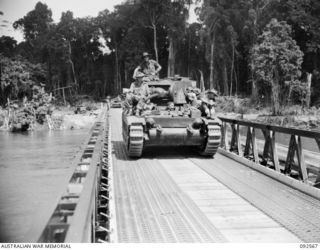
(170, 120)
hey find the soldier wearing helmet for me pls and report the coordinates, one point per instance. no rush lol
(208, 102)
(148, 67)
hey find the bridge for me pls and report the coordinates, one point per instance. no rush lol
(254, 190)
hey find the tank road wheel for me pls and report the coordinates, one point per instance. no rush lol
(135, 142)
(212, 142)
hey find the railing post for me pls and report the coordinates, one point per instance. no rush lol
(248, 143)
(251, 143)
(224, 140)
(274, 153)
(317, 183)
(266, 148)
(290, 156)
(254, 146)
(239, 141)
(270, 150)
(301, 162)
(296, 146)
(233, 144)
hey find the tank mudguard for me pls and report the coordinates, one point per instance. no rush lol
(134, 120)
(215, 120)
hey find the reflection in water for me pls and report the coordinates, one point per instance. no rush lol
(34, 170)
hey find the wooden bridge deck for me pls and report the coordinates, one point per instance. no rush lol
(172, 195)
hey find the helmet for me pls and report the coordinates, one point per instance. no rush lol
(213, 91)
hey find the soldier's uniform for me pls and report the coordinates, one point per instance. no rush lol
(137, 95)
(148, 67)
(208, 103)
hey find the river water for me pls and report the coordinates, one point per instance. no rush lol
(35, 168)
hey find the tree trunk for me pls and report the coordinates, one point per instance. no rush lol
(231, 71)
(189, 50)
(275, 89)
(171, 58)
(308, 94)
(116, 71)
(225, 79)
(236, 80)
(125, 76)
(254, 90)
(72, 64)
(155, 41)
(211, 83)
(202, 87)
(49, 76)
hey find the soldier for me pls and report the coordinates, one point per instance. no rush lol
(148, 67)
(138, 94)
(208, 102)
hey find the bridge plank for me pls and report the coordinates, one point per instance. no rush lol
(229, 212)
(292, 209)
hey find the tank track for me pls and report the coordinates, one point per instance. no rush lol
(213, 140)
(135, 142)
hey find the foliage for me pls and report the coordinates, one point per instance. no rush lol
(277, 61)
(218, 46)
(226, 104)
(7, 45)
(18, 76)
(25, 114)
(35, 23)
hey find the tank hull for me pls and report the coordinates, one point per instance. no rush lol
(168, 132)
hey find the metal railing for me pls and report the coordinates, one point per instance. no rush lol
(82, 213)
(264, 151)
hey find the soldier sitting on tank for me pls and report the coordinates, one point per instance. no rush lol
(138, 94)
(192, 96)
(208, 102)
(149, 67)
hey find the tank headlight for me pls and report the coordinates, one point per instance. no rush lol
(150, 122)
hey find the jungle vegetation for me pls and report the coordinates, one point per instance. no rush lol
(267, 50)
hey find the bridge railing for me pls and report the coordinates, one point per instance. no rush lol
(241, 138)
(83, 212)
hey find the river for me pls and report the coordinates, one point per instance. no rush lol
(35, 168)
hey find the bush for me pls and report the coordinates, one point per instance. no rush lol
(25, 114)
(18, 77)
(227, 104)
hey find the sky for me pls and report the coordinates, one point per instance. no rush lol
(16, 9)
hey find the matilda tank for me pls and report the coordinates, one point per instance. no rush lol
(168, 119)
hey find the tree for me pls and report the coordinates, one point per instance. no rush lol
(149, 13)
(257, 17)
(36, 23)
(222, 21)
(36, 26)
(174, 18)
(18, 76)
(7, 45)
(277, 61)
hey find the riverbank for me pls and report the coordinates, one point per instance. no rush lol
(293, 116)
(62, 118)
